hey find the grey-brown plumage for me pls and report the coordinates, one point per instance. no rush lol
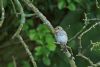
(61, 35)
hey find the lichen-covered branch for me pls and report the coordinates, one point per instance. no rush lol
(3, 13)
(70, 58)
(27, 50)
(22, 20)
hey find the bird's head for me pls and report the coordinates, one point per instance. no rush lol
(58, 28)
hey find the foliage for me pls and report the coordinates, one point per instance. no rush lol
(45, 41)
(75, 16)
(70, 4)
(10, 64)
(25, 64)
(96, 48)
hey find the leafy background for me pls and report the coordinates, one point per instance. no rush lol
(67, 13)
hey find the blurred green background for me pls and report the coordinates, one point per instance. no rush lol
(66, 13)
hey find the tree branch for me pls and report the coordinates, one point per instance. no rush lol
(90, 61)
(13, 5)
(14, 61)
(22, 21)
(83, 33)
(28, 51)
(97, 4)
(3, 13)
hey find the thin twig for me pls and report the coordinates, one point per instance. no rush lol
(3, 13)
(92, 19)
(29, 15)
(75, 36)
(86, 58)
(28, 51)
(93, 26)
(22, 21)
(13, 5)
(84, 27)
(83, 33)
(7, 44)
(98, 64)
(80, 43)
(90, 61)
(14, 61)
(97, 4)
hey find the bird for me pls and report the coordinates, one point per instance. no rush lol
(61, 36)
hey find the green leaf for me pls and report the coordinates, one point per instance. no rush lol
(49, 39)
(46, 61)
(30, 22)
(78, 1)
(61, 4)
(26, 64)
(42, 28)
(40, 42)
(38, 50)
(51, 47)
(46, 52)
(40, 35)
(71, 7)
(96, 48)
(41, 50)
(10, 64)
(69, 1)
(50, 42)
(26, 27)
(33, 35)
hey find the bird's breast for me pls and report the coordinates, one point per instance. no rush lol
(62, 39)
